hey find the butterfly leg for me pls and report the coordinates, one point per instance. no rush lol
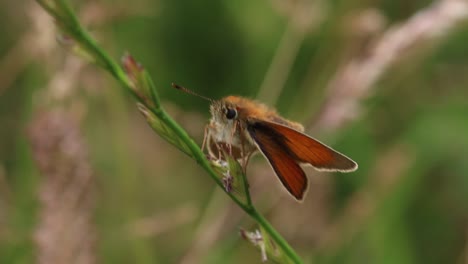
(233, 131)
(245, 157)
(208, 143)
(205, 136)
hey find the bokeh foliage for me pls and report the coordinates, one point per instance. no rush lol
(411, 141)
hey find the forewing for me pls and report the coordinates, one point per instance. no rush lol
(285, 166)
(303, 148)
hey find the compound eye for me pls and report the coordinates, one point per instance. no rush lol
(231, 113)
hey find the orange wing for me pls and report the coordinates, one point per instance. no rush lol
(301, 147)
(286, 168)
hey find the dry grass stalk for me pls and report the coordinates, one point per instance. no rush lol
(354, 81)
(65, 233)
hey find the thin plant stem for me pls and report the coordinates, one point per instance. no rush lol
(68, 21)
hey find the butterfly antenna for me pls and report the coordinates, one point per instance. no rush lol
(183, 89)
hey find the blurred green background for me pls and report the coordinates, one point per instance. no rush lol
(407, 203)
